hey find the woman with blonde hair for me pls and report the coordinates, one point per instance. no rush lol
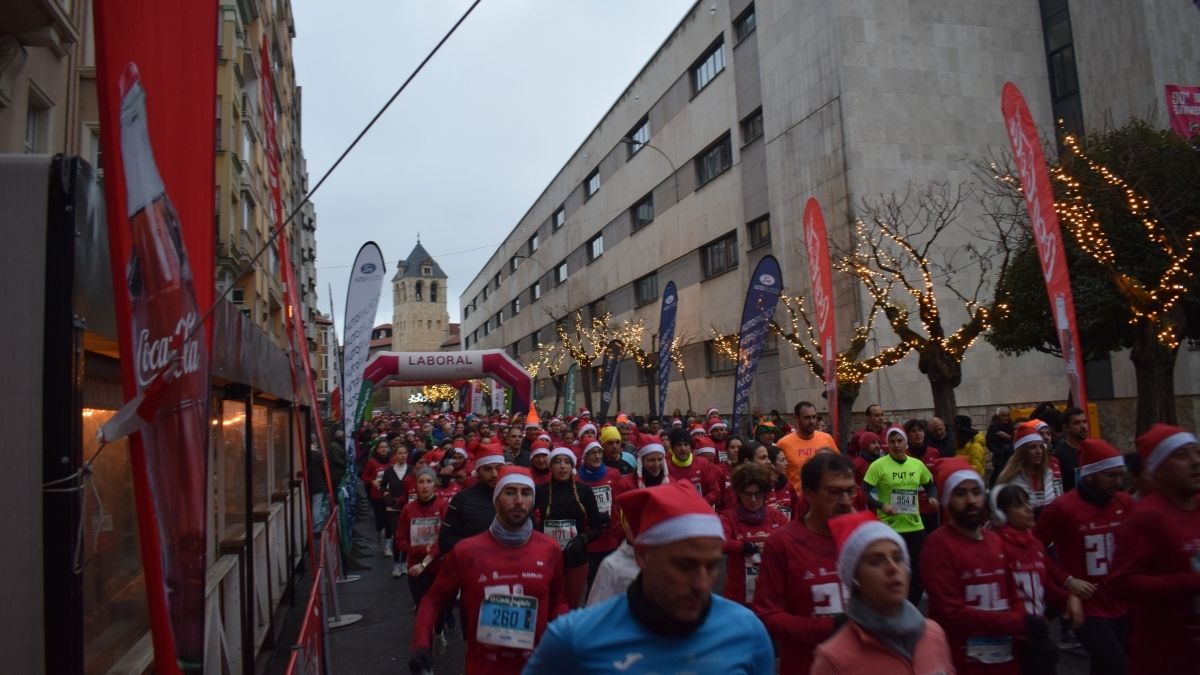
(1033, 467)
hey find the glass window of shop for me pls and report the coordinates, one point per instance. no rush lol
(232, 451)
(261, 419)
(280, 451)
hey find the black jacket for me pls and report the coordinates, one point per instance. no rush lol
(589, 522)
(469, 513)
(392, 486)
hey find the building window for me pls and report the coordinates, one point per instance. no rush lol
(744, 24)
(598, 309)
(646, 289)
(640, 135)
(560, 273)
(515, 349)
(467, 342)
(487, 328)
(535, 338)
(466, 309)
(247, 212)
(707, 67)
(419, 291)
(596, 247)
(718, 364)
(1060, 64)
(515, 306)
(485, 293)
(496, 282)
(559, 218)
(714, 161)
(426, 270)
(499, 318)
(247, 143)
(759, 231)
(719, 256)
(591, 185)
(217, 124)
(534, 242)
(535, 291)
(513, 263)
(642, 213)
(433, 291)
(752, 127)
(37, 122)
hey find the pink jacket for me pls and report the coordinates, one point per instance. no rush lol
(852, 651)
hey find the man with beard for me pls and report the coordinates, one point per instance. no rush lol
(511, 581)
(517, 445)
(798, 595)
(683, 467)
(804, 443)
(1075, 430)
(668, 620)
(1157, 567)
(718, 434)
(472, 510)
(963, 567)
(1081, 526)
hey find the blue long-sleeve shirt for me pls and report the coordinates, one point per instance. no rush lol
(607, 638)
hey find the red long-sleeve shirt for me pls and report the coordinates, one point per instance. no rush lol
(1157, 571)
(742, 572)
(700, 474)
(1036, 578)
(798, 593)
(605, 491)
(1083, 534)
(417, 531)
(482, 567)
(972, 597)
(371, 472)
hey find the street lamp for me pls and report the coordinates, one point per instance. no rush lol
(637, 145)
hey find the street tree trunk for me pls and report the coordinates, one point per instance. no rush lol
(651, 375)
(847, 395)
(586, 375)
(1154, 369)
(944, 374)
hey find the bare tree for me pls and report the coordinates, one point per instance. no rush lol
(901, 250)
(584, 344)
(549, 360)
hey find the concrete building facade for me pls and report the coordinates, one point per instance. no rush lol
(705, 162)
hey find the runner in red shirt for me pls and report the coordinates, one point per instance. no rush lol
(511, 580)
(799, 596)
(683, 467)
(1081, 526)
(603, 480)
(965, 573)
(1157, 566)
(539, 462)
(416, 542)
(747, 523)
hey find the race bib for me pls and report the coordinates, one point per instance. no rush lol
(561, 531)
(752, 564)
(507, 621)
(603, 498)
(423, 531)
(904, 501)
(989, 649)
(722, 456)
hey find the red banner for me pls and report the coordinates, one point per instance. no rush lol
(1183, 107)
(1039, 199)
(156, 84)
(821, 281)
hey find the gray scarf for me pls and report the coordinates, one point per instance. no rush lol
(899, 633)
(509, 538)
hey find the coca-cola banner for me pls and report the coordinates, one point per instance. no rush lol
(1183, 107)
(1039, 200)
(761, 298)
(156, 84)
(821, 281)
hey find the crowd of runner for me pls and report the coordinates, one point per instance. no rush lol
(824, 556)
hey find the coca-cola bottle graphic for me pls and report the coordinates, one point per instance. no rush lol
(163, 314)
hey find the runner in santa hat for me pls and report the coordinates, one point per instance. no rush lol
(669, 620)
(511, 583)
(471, 511)
(748, 521)
(1080, 527)
(539, 462)
(651, 469)
(1033, 467)
(586, 433)
(885, 633)
(798, 595)
(963, 567)
(566, 510)
(1157, 569)
(603, 481)
(416, 542)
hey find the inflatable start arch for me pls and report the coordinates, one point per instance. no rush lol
(412, 368)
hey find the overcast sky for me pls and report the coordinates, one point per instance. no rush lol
(465, 151)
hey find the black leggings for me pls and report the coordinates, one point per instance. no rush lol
(382, 521)
(914, 541)
(418, 585)
(1104, 640)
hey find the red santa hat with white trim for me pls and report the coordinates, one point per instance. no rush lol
(512, 475)
(853, 533)
(950, 473)
(667, 514)
(489, 454)
(1159, 441)
(1096, 455)
(1025, 436)
(564, 452)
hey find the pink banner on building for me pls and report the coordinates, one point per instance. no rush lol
(821, 281)
(1183, 108)
(1039, 199)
